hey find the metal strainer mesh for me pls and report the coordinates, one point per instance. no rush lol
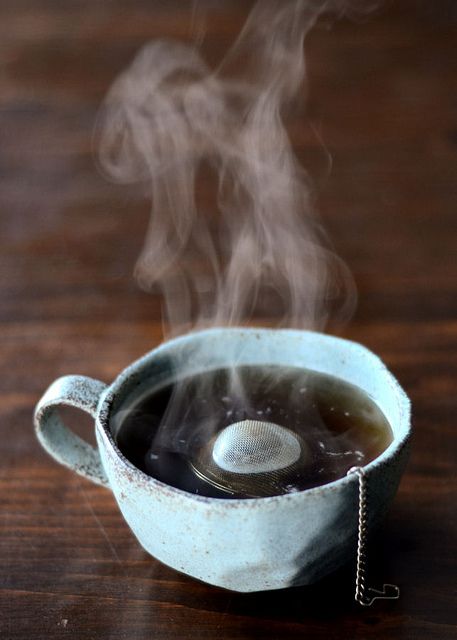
(251, 458)
(252, 446)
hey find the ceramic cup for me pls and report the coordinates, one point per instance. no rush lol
(243, 545)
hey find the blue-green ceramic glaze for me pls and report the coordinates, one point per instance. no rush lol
(243, 545)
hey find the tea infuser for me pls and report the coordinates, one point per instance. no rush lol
(251, 446)
(367, 595)
(251, 457)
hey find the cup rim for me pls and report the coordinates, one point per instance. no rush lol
(400, 440)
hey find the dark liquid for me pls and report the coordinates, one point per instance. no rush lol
(162, 431)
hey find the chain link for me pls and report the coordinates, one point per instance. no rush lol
(389, 591)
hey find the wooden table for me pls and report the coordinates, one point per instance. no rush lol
(383, 97)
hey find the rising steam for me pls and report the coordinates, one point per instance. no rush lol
(261, 251)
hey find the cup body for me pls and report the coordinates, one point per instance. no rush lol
(264, 543)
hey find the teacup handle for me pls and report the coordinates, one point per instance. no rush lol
(61, 443)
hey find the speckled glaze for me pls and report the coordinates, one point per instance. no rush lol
(243, 545)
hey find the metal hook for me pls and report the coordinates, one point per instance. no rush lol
(381, 595)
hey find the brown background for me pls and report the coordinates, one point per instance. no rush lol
(383, 97)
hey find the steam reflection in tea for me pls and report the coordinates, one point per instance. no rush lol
(170, 432)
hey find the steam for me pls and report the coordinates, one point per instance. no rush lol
(257, 248)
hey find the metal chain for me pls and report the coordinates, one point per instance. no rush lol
(389, 591)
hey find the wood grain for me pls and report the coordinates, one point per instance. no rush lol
(383, 97)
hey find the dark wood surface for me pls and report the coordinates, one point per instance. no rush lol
(383, 96)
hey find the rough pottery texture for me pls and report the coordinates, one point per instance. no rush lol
(243, 545)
